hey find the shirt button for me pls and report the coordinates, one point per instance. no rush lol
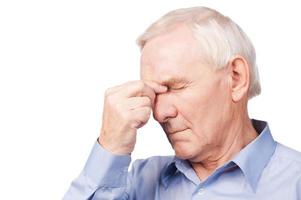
(201, 191)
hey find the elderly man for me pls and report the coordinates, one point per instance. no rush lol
(198, 71)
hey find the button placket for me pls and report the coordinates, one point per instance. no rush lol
(201, 191)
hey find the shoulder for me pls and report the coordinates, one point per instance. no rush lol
(287, 153)
(287, 157)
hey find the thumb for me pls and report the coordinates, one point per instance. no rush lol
(158, 88)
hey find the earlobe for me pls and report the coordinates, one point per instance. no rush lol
(239, 70)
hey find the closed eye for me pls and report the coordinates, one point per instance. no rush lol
(174, 88)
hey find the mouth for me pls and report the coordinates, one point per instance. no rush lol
(178, 136)
(168, 130)
(173, 132)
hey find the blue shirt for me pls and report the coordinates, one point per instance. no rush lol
(263, 170)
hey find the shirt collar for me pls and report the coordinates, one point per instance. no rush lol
(168, 172)
(252, 159)
(176, 166)
(255, 156)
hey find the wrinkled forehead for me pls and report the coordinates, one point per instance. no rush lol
(178, 41)
(170, 54)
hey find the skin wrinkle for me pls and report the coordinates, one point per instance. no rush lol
(205, 118)
(235, 139)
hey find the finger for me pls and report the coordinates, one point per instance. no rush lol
(136, 102)
(141, 116)
(136, 89)
(158, 88)
(154, 85)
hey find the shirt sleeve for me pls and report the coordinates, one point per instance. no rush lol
(105, 173)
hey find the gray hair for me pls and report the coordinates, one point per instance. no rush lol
(219, 38)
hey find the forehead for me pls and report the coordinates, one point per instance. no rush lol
(170, 57)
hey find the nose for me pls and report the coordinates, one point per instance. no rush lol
(164, 108)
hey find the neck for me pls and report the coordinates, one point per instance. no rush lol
(238, 134)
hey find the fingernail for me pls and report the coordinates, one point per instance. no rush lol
(163, 87)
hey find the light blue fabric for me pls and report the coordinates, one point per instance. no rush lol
(263, 170)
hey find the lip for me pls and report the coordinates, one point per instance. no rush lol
(173, 132)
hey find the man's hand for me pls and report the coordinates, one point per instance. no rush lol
(127, 107)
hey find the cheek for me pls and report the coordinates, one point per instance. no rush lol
(194, 104)
(205, 109)
(207, 99)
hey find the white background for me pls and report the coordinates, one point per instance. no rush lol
(57, 58)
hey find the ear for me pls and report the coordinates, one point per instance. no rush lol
(240, 77)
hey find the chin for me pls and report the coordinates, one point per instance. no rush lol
(183, 151)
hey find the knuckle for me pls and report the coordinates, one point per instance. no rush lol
(148, 101)
(148, 110)
(140, 85)
(135, 124)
